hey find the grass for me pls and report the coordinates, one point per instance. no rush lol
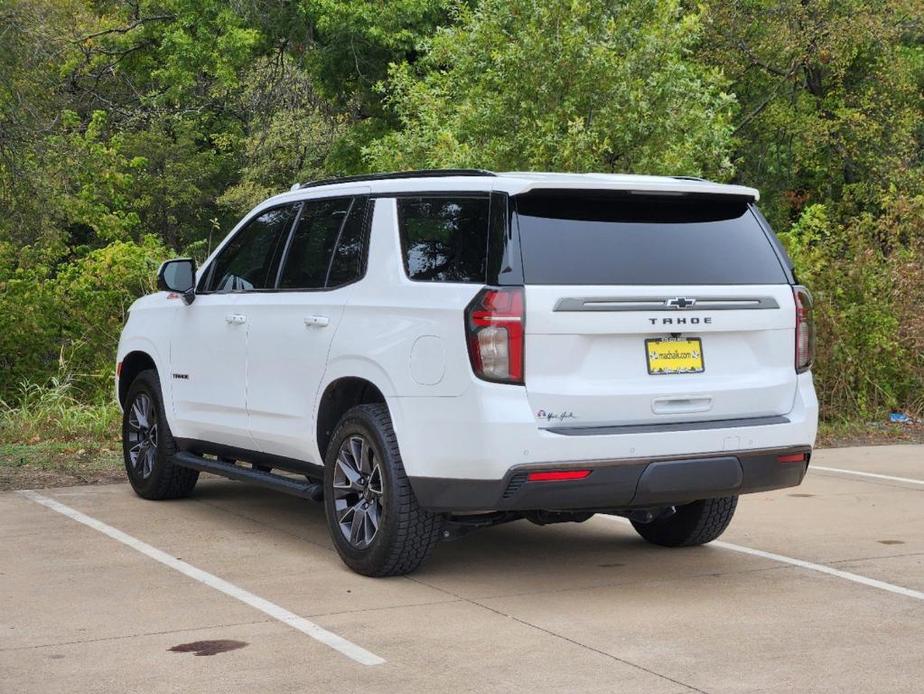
(49, 438)
(53, 411)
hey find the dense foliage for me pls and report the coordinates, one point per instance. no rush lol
(138, 129)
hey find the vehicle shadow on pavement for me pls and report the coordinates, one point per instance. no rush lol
(505, 559)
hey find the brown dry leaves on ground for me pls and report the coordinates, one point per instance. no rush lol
(58, 464)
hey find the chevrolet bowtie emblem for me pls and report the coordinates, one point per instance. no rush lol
(680, 302)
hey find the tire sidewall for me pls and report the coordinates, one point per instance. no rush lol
(146, 383)
(363, 560)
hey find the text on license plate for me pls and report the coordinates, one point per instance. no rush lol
(674, 355)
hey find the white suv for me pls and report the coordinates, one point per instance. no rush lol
(436, 351)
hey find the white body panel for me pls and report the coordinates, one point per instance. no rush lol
(492, 427)
(288, 343)
(256, 384)
(208, 358)
(591, 364)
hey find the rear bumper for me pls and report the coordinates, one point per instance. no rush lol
(618, 484)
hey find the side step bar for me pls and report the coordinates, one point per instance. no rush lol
(304, 489)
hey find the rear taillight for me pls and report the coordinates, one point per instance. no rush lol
(494, 331)
(805, 329)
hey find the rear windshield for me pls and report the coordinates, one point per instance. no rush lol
(570, 238)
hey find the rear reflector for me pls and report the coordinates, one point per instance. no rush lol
(557, 475)
(791, 458)
(119, 369)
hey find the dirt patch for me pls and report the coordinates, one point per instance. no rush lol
(869, 434)
(208, 647)
(59, 464)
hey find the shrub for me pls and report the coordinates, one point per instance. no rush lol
(869, 357)
(71, 313)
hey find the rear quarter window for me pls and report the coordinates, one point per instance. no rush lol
(444, 239)
(589, 239)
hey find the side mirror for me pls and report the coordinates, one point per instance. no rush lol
(178, 275)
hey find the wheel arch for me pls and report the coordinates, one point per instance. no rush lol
(338, 397)
(131, 365)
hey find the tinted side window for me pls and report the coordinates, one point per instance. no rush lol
(313, 243)
(251, 258)
(587, 238)
(347, 264)
(444, 239)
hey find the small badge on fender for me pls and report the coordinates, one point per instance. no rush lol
(555, 416)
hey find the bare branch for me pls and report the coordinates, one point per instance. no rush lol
(124, 30)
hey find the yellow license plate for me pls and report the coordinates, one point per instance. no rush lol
(674, 355)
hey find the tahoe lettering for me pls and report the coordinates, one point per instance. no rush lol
(681, 321)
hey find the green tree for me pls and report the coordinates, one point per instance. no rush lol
(572, 85)
(831, 98)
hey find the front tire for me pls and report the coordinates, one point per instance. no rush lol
(373, 516)
(692, 524)
(147, 443)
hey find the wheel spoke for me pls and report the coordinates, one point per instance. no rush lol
(140, 412)
(345, 475)
(358, 491)
(141, 435)
(357, 530)
(375, 481)
(348, 509)
(357, 445)
(372, 514)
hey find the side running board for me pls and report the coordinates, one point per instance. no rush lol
(301, 488)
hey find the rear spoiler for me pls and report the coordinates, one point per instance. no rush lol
(640, 186)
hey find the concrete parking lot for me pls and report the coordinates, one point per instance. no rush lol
(818, 588)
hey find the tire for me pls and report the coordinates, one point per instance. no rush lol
(146, 449)
(692, 524)
(391, 535)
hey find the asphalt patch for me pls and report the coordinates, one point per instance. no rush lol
(208, 647)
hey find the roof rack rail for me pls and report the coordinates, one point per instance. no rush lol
(691, 178)
(422, 173)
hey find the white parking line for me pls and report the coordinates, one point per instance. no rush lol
(907, 480)
(811, 566)
(328, 638)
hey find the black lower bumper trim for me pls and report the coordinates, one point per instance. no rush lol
(618, 484)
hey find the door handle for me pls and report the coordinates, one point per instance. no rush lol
(317, 321)
(236, 318)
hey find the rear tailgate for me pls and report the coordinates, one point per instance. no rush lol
(643, 311)
(587, 357)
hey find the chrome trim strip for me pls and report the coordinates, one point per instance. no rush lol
(662, 427)
(664, 303)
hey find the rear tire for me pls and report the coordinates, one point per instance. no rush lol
(147, 443)
(372, 514)
(692, 524)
